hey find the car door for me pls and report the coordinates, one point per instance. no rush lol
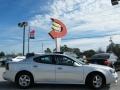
(44, 69)
(66, 72)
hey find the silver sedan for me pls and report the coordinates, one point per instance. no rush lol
(58, 69)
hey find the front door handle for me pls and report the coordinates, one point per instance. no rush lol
(60, 68)
(35, 66)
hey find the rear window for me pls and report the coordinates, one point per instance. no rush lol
(103, 56)
(43, 59)
(97, 61)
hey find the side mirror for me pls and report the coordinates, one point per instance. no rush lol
(76, 64)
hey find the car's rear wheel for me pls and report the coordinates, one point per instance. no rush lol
(24, 80)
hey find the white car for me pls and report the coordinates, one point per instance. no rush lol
(18, 58)
(58, 69)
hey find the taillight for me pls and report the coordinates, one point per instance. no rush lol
(7, 66)
(106, 62)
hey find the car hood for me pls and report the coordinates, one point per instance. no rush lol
(99, 66)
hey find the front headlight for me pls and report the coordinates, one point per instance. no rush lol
(112, 70)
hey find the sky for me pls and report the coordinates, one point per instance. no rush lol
(90, 23)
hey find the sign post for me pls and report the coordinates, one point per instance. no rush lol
(31, 35)
(58, 44)
(58, 31)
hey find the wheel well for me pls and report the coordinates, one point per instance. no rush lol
(24, 72)
(93, 73)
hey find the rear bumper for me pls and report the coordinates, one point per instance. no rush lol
(8, 75)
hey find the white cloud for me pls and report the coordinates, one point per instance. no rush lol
(95, 14)
(92, 43)
(82, 15)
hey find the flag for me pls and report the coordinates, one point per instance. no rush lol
(32, 34)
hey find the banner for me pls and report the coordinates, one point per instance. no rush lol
(32, 34)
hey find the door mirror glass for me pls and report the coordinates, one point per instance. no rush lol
(76, 64)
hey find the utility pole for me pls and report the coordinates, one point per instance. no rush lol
(111, 44)
(111, 40)
(42, 48)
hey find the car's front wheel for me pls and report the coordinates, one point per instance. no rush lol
(96, 81)
(24, 80)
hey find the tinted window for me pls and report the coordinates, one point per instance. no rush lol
(62, 60)
(97, 61)
(103, 56)
(43, 59)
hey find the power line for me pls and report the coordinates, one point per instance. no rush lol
(86, 37)
(83, 37)
(100, 12)
(46, 40)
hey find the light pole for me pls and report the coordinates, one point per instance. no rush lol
(29, 39)
(23, 25)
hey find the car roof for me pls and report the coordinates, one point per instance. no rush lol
(42, 54)
(101, 55)
(49, 54)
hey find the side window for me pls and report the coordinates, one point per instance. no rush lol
(62, 60)
(43, 59)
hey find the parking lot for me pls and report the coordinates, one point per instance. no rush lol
(4, 85)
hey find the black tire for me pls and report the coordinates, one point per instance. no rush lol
(24, 80)
(95, 81)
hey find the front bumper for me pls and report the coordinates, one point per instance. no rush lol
(113, 78)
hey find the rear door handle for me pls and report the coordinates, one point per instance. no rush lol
(60, 68)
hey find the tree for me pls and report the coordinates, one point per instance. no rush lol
(65, 48)
(2, 54)
(114, 48)
(89, 53)
(111, 47)
(100, 51)
(19, 54)
(48, 50)
(77, 52)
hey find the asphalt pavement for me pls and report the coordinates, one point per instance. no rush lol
(5, 85)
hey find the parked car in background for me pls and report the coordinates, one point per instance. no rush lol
(18, 58)
(3, 62)
(58, 69)
(117, 65)
(107, 59)
(0, 63)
